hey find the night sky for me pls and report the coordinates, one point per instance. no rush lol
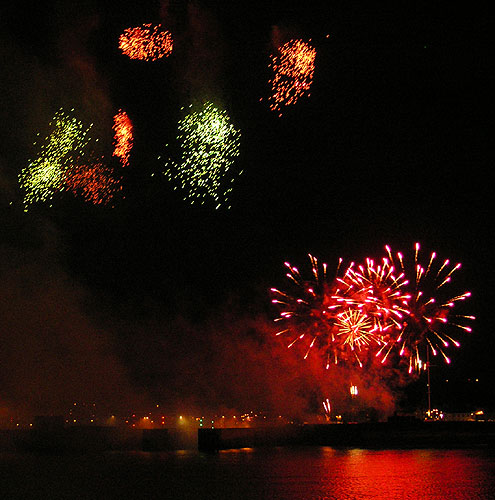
(155, 299)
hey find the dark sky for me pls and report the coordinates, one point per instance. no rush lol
(391, 147)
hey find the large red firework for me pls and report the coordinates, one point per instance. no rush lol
(388, 310)
(323, 314)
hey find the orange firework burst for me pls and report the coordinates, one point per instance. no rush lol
(357, 331)
(94, 183)
(123, 137)
(147, 42)
(293, 69)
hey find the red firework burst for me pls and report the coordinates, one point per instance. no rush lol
(373, 310)
(429, 317)
(123, 138)
(94, 183)
(293, 68)
(322, 315)
(147, 42)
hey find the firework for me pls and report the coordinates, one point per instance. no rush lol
(210, 145)
(357, 331)
(123, 137)
(323, 315)
(428, 313)
(146, 42)
(65, 145)
(373, 310)
(378, 292)
(94, 183)
(293, 69)
(327, 407)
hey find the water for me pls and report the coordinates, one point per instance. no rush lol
(309, 473)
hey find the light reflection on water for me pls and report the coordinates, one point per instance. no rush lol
(271, 473)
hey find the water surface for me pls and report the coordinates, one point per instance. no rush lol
(310, 473)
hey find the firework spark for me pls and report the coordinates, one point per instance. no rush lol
(65, 145)
(123, 137)
(209, 144)
(146, 42)
(293, 67)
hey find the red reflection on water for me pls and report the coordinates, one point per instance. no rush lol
(355, 474)
(404, 474)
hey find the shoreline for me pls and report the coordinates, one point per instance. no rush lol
(371, 435)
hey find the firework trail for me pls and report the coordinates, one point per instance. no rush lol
(429, 317)
(293, 67)
(210, 145)
(327, 407)
(62, 148)
(146, 42)
(123, 138)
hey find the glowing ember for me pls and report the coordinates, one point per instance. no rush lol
(147, 42)
(293, 69)
(123, 137)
